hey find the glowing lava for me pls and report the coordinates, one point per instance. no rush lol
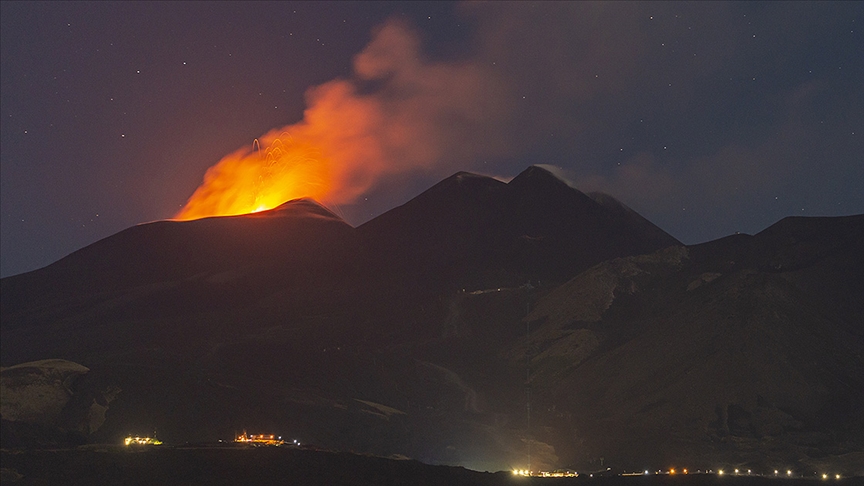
(422, 117)
(251, 180)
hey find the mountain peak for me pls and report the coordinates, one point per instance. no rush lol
(465, 181)
(302, 207)
(541, 175)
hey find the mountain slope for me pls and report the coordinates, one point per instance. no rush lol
(170, 251)
(742, 349)
(486, 232)
(407, 335)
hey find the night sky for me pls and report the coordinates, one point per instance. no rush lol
(706, 118)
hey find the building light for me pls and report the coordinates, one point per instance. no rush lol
(261, 439)
(136, 441)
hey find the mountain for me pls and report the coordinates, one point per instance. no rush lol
(170, 251)
(744, 350)
(414, 333)
(534, 227)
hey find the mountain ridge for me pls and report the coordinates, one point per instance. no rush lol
(434, 308)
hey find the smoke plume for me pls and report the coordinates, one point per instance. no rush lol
(399, 113)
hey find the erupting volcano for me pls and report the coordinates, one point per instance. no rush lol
(422, 117)
(256, 179)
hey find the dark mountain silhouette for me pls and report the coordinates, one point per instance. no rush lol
(407, 335)
(744, 349)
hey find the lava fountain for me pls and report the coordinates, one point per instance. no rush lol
(257, 179)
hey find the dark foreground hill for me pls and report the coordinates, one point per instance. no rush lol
(95, 466)
(425, 332)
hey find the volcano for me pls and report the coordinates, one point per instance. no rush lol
(426, 331)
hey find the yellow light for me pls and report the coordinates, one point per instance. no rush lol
(685, 471)
(672, 471)
(141, 441)
(837, 476)
(720, 472)
(789, 472)
(824, 476)
(736, 471)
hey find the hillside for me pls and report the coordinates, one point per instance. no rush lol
(414, 333)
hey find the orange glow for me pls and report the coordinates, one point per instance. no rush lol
(261, 439)
(250, 181)
(422, 118)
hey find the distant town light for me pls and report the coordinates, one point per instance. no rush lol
(261, 439)
(720, 472)
(789, 472)
(130, 441)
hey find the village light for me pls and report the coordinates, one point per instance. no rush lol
(136, 441)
